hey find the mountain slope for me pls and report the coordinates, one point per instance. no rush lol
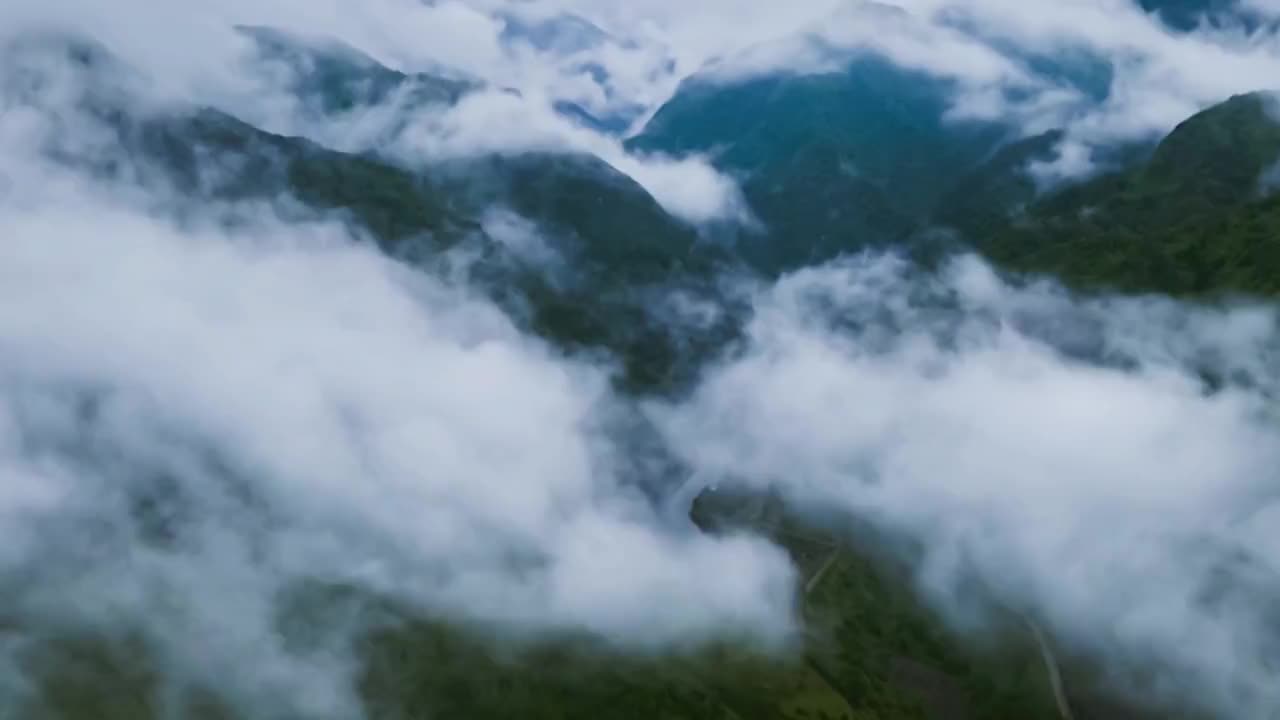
(829, 162)
(605, 239)
(332, 77)
(1195, 218)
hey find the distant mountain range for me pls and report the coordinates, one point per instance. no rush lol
(829, 164)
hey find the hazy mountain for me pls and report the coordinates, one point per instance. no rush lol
(330, 77)
(333, 77)
(829, 162)
(579, 247)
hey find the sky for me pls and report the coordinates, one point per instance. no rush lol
(323, 413)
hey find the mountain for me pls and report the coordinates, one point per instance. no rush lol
(1195, 218)
(573, 248)
(1187, 15)
(989, 194)
(829, 162)
(884, 657)
(331, 78)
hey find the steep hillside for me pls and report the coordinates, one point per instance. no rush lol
(333, 77)
(589, 241)
(829, 162)
(871, 652)
(1195, 218)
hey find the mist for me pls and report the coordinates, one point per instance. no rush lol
(1066, 454)
(203, 409)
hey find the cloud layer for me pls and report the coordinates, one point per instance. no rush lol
(197, 414)
(1064, 454)
(200, 411)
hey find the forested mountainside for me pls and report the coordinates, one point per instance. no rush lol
(446, 214)
(1196, 218)
(1188, 215)
(867, 157)
(581, 254)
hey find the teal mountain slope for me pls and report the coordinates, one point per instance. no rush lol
(828, 162)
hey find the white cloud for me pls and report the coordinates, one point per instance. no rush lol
(646, 48)
(492, 121)
(297, 407)
(1062, 452)
(396, 432)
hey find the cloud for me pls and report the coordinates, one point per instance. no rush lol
(198, 414)
(500, 122)
(201, 59)
(201, 411)
(1064, 453)
(1102, 69)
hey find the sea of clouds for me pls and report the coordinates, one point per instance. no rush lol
(196, 416)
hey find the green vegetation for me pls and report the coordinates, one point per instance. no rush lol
(830, 163)
(429, 670)
(1194, 219)
(884, 657)
(839, 162)
(870, 637)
